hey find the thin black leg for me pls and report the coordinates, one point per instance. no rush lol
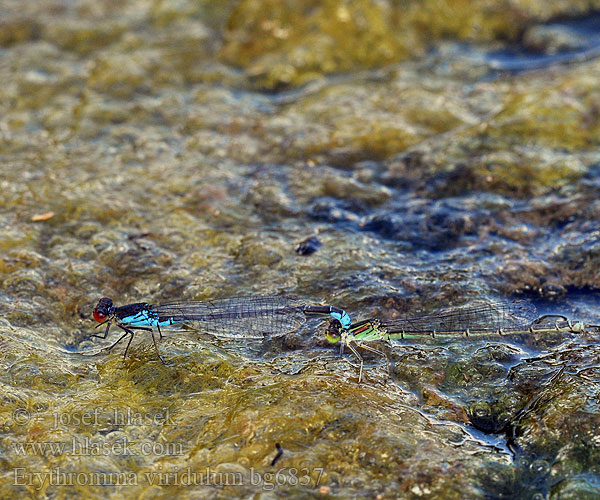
(156, 348)
(103, 323)
(105, 332)
(127, 332)
(115, 343)
(130, 329)
(131, 334)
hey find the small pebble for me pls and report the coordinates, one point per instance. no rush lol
(308, 246)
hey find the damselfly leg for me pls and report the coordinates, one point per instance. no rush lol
(128, 331)
(366, 347)
(105, 331)
(379, 353)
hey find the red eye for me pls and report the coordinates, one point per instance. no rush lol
(99, 316)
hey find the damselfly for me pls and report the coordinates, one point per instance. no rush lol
(476, 318)
(243, 317)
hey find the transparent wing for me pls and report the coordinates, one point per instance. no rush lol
(478, 316)
(246, 317)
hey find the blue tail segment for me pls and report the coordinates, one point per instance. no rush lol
(343, 317)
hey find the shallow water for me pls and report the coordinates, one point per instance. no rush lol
(158, 151)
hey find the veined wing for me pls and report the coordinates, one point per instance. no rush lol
(246, 317)
(477, 316)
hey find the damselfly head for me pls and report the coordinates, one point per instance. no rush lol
(333, 333)
(103, 310)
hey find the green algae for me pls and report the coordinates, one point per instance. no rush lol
(238, 418)
(282, 44)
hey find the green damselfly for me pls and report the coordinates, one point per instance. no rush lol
(477, 318)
